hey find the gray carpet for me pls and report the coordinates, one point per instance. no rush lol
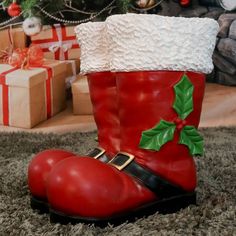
(215, 215)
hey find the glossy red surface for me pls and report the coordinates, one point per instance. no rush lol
(103, 92)
(185, 3)
(89, 188)
(40, 167)
(145, 98)
(14, 9)
(105, 108)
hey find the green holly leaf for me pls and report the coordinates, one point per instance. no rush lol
(183, 104)
(155, 138)
(190, 137)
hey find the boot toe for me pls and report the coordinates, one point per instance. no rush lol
(87, 188)
(39, 168)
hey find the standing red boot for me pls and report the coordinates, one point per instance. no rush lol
(103, 93)
(160, 64)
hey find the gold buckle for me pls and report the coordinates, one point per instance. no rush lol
(127, 162)
(102, 151)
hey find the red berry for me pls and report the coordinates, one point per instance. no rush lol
(180, 126)
(14, 9)
(184, 122)
(177, 120)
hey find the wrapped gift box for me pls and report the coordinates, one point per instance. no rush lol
(12, 36)
(28, 97)
(73, 69)
(81, 99)
(58, 42)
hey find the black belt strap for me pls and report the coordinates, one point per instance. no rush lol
(160, 186)
(99, 154)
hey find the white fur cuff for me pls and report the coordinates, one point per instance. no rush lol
(94, 50)
(152, 42)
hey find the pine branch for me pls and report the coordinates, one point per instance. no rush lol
(123, 5)
(66, 9)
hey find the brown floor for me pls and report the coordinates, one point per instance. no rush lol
(63, 122)
(219, 109)
(219, 106)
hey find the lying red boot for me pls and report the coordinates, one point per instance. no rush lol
(103, 93)
(159, 114)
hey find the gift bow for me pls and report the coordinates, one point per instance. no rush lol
(27, 57)
(5, 54)
(60, 45)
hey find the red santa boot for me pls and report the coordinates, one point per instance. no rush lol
(160, 64)
(103, 93)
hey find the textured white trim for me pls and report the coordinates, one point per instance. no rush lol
(94, 50)
(152, 42)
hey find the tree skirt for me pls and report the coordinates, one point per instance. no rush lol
(215, 214)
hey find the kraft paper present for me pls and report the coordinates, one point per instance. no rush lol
(12, 36)
(73, 69)
(81, 99)
(58, 42)
(28, 97)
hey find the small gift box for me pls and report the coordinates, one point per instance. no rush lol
(12, 37)
(30, 96)
(58, 42)
(73, 69)
(81, 99)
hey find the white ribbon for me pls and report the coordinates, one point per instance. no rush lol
(61, 45)
(64, 47)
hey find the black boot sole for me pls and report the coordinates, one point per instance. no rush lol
(39, 205)
(165, 206)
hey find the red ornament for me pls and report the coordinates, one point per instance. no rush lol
(184, 3)
(14, 9)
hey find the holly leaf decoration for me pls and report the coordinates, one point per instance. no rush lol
(183, 104)
(190, 137)
(155, 138)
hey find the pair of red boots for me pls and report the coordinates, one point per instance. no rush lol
(147, 112)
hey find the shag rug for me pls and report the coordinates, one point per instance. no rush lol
(214, 215)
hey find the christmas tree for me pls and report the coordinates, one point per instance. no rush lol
(68, 11)
(64, 11)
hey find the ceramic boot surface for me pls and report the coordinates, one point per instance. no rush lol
(102, 86)
(103, 92)
(159, 108)
(136, 181)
